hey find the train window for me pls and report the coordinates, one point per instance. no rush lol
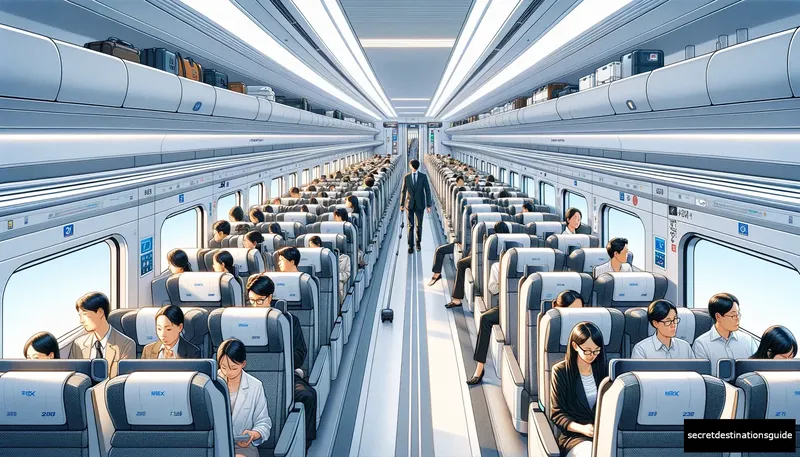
(763, 286)
(276, 187)
(483, 165)
(547, 194)
(514, 181)
(66, 277)
(326, 169)
(528, 185)
(316, 172)
(255, 195)
(292, 180)
(181, 230)
(622, 224)
(502, 175)
(573, 200)
(224, 205)
(304, 177)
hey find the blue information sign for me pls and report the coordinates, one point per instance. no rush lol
(744, 229)
(661, 252)
(146, 255)
(69, 230)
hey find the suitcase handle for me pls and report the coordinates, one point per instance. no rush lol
(122, 42)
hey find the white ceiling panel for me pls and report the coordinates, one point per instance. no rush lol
(408, 73)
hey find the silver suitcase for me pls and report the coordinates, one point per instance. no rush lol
(608, 73)
(261, 91)
(587, 82)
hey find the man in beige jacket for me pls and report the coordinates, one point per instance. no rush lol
(101, 340)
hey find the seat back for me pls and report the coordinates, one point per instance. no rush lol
(480, 232)
(275, 209)
(313, 208)
(544, 230)
(492, 249)
(514, 264)
(337, 243)
(466, 211)
(569, 243)
(510, 201)
(536, 295)
(140, 326)
(196, 256)
(239, 228)
(585, 259)
(267, 335)
(323, 262)
(623, 290)
(247, 261)
(455, 204)
(208, 290)
(351, 236)
(290, 201)
(540, 216)
(694, 322)
(302, 218)
(291, 230)
(489, 218)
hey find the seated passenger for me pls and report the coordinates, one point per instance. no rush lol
(313, 201)
(269, 210)
(311, 188)
(222, 262)
(573, 218)
(323, 194)
(304, 208)
(352, 205)
(663, 316)
(178, 261)
(221, 229)
(494, 274)
(340, 215)
(369, 182)
(42, 345)
(573, 391)
(236, 214)
(288, 259)
(275, 229)
(256, 216)
(171, 345)
(777, 342)
(568, 299)
(102, 340)
(276, 201)
(249, 410)
(294, 192)
(344, 266)
(527, 207)
(503, 194)
(617, 250)
(724, 340)
(259, 294)
(253, 240)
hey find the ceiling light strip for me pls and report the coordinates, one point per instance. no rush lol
(410, 99)
(232, 19)
(407, 43)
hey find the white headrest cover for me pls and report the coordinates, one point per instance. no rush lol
(287, 286)
(532, 217)
(502, 238)
(783, 394)
(331, 227)
(555, 283)
(240, 259)
(593, 257)
(471, 201)
(146, 325)
(288, 227)
(686, 328)
(311, 256)
(584, 241)
(535, 257)
(480, 208)
(200, 286)
(601, 317)
(545, 227)
(33, 397)
(669, 397)
(334, 237)
(158, 398)
(488, 217)
(249, 325)
(295, 217)
(192, 254)
(513, 200)
(633, 286)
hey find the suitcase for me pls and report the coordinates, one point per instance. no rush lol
(547, 92)
(262, 91)
(189, 69)
(215, 78)
(641, 61)
(238, 87)
(161, 59)
(608, 73)
(587, 82)
(299, 103)
(520, 102)
(117, 48)
(570, 89)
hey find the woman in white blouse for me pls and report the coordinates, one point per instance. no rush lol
(249, 412)
(573, 218)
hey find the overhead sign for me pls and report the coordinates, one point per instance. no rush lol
(744, 229)
(390, 125)
(69, 230)
(435, 125)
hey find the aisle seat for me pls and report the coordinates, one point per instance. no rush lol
(208, 290)
(140, 326)
(624, 290)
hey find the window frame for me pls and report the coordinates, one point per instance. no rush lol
(525, 185)
(304, 176)
(260, 186)
(280, 187)
(238, 201)
(200, 242)
(585, 217)
(542, 185)
(316, 172)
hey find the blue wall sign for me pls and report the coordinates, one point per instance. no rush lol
(197, 106)
(622, 196)
(69, 230)
(744, 229)
(146, 245)
(661, 252)
(146, 256)
(180, 198)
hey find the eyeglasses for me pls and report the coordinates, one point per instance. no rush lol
(669, 322)
(734, 316)
(588, 352)
(257, 302)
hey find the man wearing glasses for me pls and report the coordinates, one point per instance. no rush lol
(724, 340)
(663, 316)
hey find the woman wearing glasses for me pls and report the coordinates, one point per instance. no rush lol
(663, 316)
(724, 340)
(573, 391)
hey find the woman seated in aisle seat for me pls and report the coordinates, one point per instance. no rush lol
(445, 249)
(617, 250)
(573, 218)
(249, 411)
(253, 240)
(236, 214)
(568, 299)
(344, 266)
(663, 316)
(573, 389)
(42, 345)
(724, 340)
(221, 229)
(275, 229)
(777, 343)
(352, 205)
(256, 216)
(222, 262)
(340, 215)
(170, 344)
(178, 261)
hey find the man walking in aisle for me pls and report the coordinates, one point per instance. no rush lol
(415, 184)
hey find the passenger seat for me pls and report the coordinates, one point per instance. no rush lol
(208, 290)
(694, 322)
(624, 290)
(140, 326)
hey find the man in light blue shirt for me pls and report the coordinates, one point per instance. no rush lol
(663, 344)
(724, 340)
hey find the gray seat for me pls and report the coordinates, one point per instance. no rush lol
(546, 229)
(510, 201)
(275, 209)
(268, 339)
(584, 260)
(289, 201)
(313, 208)
(140, 325)
(351, 249)
(464, 228)
(541, 215)
(493, 247)
(694, 322)
(480, 232)
(569, 243)
(623, 290)
(291, 230)
(455, 205)
(247, 261)
(238, 228)
(302, 218)
(208, 290)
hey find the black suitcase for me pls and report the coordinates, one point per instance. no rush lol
(641, 61)
(117, 48)
(215, 78)
(571, 89)
(321, 112)
(299, 103)
(160, 58)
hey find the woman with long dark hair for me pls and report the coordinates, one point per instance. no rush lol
(777, 342)
(573, 391)
(223, 262)
(42, 345)
(178, 261)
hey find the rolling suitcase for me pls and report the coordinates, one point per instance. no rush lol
(587, 82)
(215, 78)
(570, 89)
(160, 58)
(262, 91)
(641, 61)
(238, 87)
(299, 103)
(117, 48)
(608, 73)
(189, 69)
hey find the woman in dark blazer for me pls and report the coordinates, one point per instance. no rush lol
(573, 392)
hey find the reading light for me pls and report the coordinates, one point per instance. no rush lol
(585, 16)
(493, 18)
(232, 19)
(631, 105)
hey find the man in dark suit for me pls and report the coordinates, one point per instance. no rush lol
(415, 184)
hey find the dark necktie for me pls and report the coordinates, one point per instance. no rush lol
(415, 178)
(98, 348)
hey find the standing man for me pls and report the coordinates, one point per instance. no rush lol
(419, 198)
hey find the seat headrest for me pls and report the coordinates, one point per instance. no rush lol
(296, 217)
(311, 257)
(241, 258)
(200, 286)
(669, 397)
(249, 325)
(601, 317)
(146, 325)
(485, 217)
(527, 218)
(193, 254)
(290, 228)
(520, 259)
(480, 208)
(504, 241)
(159, 398)
(540, 287)
(584, 260)
(332, 227)
(33, 397)
(544, 229)
(287, 285)
(566, 243)
(628, 288)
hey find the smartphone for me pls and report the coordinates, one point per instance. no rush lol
(239, 438)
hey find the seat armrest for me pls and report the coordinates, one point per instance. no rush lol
(544, 442)
(292, 441)
(320, 378)
(499, 337)
(513, 366)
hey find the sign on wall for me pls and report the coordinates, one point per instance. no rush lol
(145, 256)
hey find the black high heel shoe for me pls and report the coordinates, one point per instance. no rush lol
(434, 280)
(476, 379)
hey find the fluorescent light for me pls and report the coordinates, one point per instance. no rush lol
(494, 16)
(410, 99)
(585, 16)
(228, 16)
(407, 43)
(410, 107)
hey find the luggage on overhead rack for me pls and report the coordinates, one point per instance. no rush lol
(608, 73)
(115, 47)
(299, 103)
(519, 102)
(238, 87)
(262, 91)
(215, 78)
(641, 61)
(160, 58)
(587, 82)
(547, 92)
(570, 89)
(189, 69)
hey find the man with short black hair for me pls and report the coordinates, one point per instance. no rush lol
(617, 250)
(416, 196)
(102, 341)
(294, 192)
(724, 340)
(663, 316)
(221, 229)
